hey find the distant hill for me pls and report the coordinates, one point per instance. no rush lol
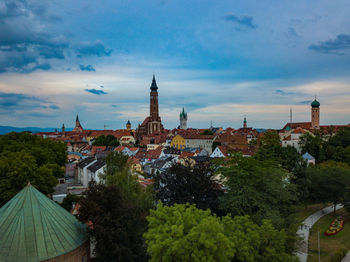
(8, 129)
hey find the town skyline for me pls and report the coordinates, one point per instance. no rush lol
(219, 61)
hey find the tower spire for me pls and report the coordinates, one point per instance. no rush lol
(154, 86)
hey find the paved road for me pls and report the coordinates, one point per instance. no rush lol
(307, 224)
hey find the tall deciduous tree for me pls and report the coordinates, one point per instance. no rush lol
(117, 224)
(188, 183)
(329, 182)
(258, 189)
(117, 211)
(185, 233)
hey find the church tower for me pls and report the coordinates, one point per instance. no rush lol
(154, 125)
(63, 131)
(183, 119)
(315, 114)
(78, 127)
(245, 122)
(128, 125)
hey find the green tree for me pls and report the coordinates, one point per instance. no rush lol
(194, 184)
(119, 208)
(117, 223)
(68, 201)
(108, 140)
(207, 132)
(329, 181)
(185, 233)
(256, 188)
(314, 144)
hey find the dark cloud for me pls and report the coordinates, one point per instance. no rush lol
(13, 99)
(10, 102)
(87, 68)
(96, 49)
(26, 43)
(115, 106)
(54, 107)
(333, 46)
(96, 92)
(243, 20)
(306, 102)
(283, 93)
(102, 86)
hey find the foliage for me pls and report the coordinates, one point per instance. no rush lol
(259, 189)
(314, 144)
(108, 140)
(29, 158)
(329, 181)
(117, 223)
(186, 183)
(68, 201)
(207, 132)
(185, 233)
(214, 145)
(119, 218)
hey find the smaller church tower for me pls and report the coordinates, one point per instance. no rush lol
(128, 125)
(183, 119)
(63, 131)
(315, 114)
(245, 122)
(78, 127)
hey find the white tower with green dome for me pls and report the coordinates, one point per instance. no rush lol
(183, 119)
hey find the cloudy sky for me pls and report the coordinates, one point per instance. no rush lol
(221, 60)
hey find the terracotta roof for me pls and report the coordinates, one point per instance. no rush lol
(186, 154)
(223, 150)
(298, 130)
(154, 154)
(288, 138)
(119, 148)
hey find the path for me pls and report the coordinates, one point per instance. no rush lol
(346, 258)
(307, 224)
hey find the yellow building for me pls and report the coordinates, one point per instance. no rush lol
(178, 142)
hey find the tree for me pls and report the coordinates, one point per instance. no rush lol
(207, 132)
(256, 188)
(194, 184)
(68, 201)
(118, 212)
(329, 182)
(185, 233)
(314, 144)
(29, 158)
(108, 140)
(117, 224)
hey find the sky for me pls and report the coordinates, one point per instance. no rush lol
(220, 60)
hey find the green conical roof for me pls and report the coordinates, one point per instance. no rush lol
(183, 114)
(35, 228)
(315, 103)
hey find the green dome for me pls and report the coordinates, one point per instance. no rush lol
(35, 228)
(315, 103)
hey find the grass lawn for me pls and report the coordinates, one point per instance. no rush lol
(300, 213)
(329, 244)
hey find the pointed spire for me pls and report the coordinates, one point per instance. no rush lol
(77, 119)
(154, 86)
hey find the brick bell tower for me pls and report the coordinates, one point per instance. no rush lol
(315, 114)
(154, 125)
